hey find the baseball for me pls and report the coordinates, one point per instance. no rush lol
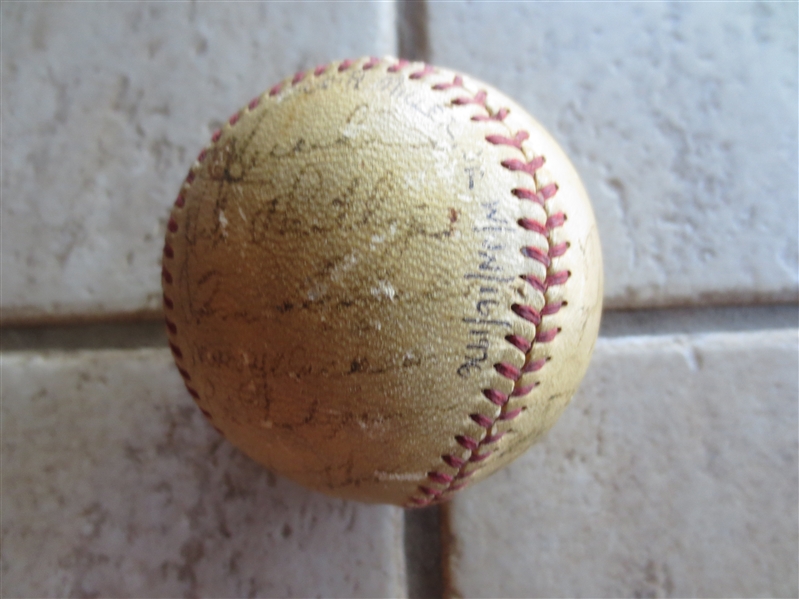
(383, 280)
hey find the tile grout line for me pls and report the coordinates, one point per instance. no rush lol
(412, 34)
(424, 558)
(425, 534)
(615, 323)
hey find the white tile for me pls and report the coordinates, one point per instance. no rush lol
(113, 484)
(105, 106)
(673, 473)
(681, 119)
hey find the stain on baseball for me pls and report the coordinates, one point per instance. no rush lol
(382, 280)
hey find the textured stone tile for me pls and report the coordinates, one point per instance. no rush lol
(104, 107)
(673, 473)
(114, 485)
(681, 118)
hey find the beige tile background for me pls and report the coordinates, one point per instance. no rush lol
(680, 117)
(674, 472)
(104, 108)
(115, 485)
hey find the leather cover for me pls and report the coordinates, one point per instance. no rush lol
(382, 280)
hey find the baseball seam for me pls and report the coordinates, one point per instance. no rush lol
(439, 484)
(167, 279)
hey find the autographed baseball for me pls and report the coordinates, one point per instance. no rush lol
(382, 280)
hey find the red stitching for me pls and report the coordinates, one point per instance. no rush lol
(345, 64)
(457, 82)
(171, 326)
(549, 191)
(320, 70)
(519, 343)
(495, 397)
(467, 442)
(488, 440)
(401, 64)
(536, 254)
(169, 253)
(528, 194)
(429, 491)
(535, 282)
(529, 313)
(299, 76)
(557, 278)
(453, 461)
(515, 141)
(509, 371)
(552, 308)
(546, 336)
(499, 116)
(539, 196)
(479, 99)
(556, 220)
(511, 414)
(553, 222)
(275, 90)
(440, 477)
(371, 63)
(534, 365)
(426, 70)
(254, 103)
(530, 168)
(479, 457)
(522, 391)
(481, 420)
(533, 225)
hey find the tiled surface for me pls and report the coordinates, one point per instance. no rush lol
(114, 485)
(105, 105)
(673, 473)
(681, 119)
